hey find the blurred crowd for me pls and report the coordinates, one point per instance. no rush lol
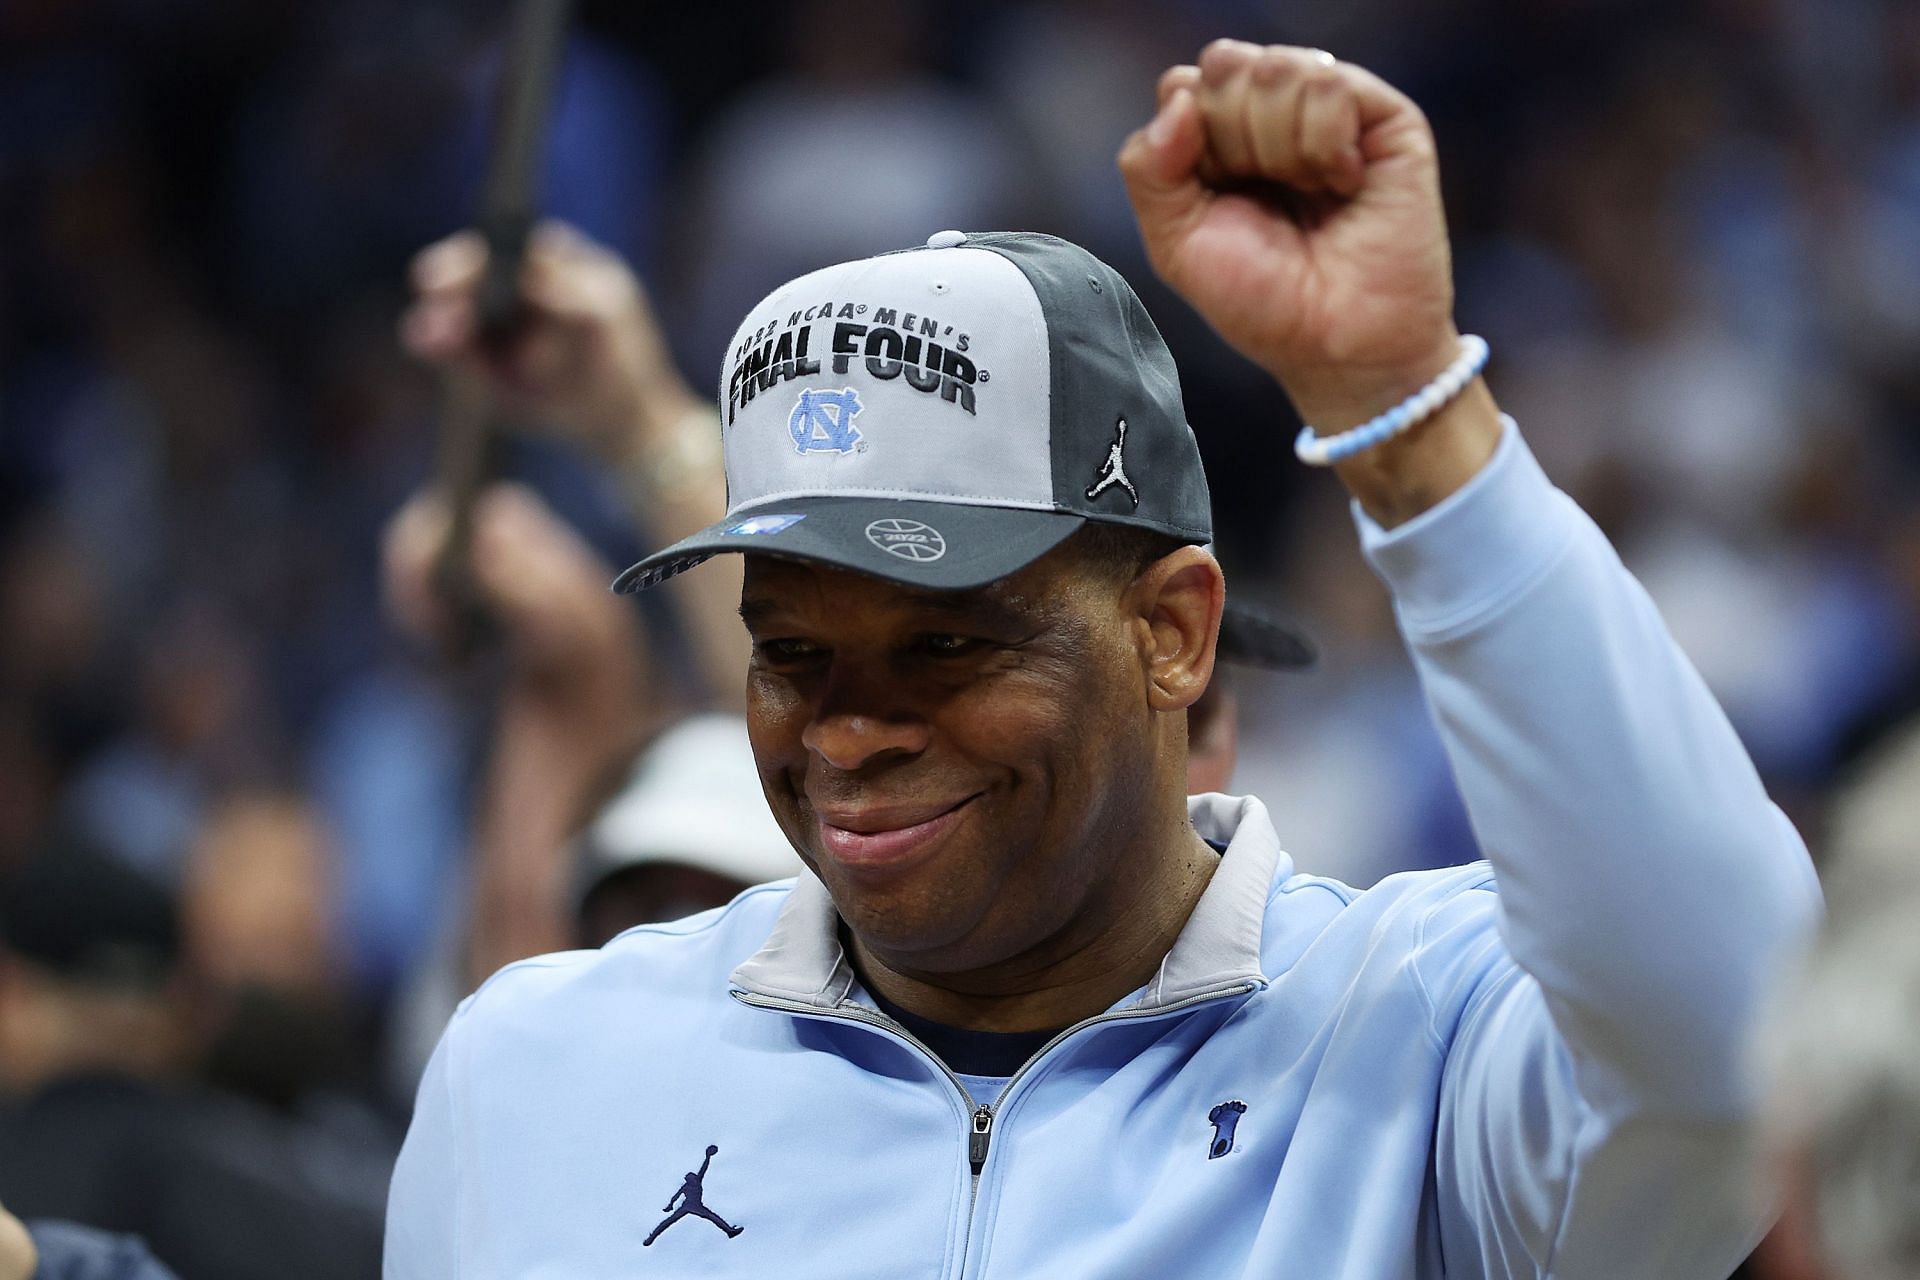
(251, 818)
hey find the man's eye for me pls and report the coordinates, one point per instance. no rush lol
(947, 646)
(783, 650)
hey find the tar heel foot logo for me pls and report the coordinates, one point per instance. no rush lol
(822, 421)
(907, 539)
(1114, 470)
(1224, 1119)
(687, 1202)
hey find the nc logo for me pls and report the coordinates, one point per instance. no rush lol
(1224, 1118)
(822, 421)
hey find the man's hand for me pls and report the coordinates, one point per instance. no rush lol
(588, 358)
(571, 642)
(1294, 200)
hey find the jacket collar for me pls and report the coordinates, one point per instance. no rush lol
(802, 961)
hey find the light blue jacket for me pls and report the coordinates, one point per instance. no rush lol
(1440, 1076)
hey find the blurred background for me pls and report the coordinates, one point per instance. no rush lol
(1687, 227)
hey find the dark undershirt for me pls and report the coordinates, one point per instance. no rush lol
(967, 1052)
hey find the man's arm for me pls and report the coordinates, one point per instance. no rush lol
(1647, 886)
(589, 362)
(1593, 1110)
(577, 698)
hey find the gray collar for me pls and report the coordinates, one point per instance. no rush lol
(803, 962)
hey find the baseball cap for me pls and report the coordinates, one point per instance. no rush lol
(693, 799)
(943, 416)
(1250, 638)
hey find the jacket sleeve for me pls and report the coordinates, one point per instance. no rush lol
(422, 1239)
(1592, 1109)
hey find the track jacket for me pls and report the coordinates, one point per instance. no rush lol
(1523, 1067)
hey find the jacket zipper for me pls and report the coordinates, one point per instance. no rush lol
(978, 1140)
(980, 1131)
(983, 1116)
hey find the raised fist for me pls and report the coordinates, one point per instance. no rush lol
(1294, 200)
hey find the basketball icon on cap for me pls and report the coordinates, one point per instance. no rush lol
(908, 539)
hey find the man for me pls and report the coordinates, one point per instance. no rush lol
(986, 1035)
(583, 678)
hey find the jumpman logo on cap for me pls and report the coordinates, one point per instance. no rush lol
(1114, 470)
(687, 1202)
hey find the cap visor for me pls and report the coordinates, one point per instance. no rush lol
(935, 545)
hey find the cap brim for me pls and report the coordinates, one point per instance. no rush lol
(936, 545)
(1249, 638)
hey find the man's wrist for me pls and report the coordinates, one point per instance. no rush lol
(632, 424)
(1336, 398)
(644, 397)
(1417, 471)
(568, 746)
(1412, 472)
(676, 473)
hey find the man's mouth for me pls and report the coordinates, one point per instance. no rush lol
(884, 837)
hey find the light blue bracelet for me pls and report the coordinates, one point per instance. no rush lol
(1324, 451)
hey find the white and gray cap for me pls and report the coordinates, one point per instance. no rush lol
(943, 416)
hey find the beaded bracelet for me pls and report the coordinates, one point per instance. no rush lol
(1324, 451)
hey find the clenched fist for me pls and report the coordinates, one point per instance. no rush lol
(1294, 200)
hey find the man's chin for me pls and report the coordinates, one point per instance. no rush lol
(908, 922)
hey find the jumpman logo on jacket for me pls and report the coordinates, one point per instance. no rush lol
(686, 1201)
(1114, 470)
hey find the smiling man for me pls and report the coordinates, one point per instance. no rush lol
(987, 781)
(1032, 1013)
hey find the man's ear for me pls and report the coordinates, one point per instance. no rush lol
(1178, 600)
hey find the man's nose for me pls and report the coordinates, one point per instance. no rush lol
(860, 722)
